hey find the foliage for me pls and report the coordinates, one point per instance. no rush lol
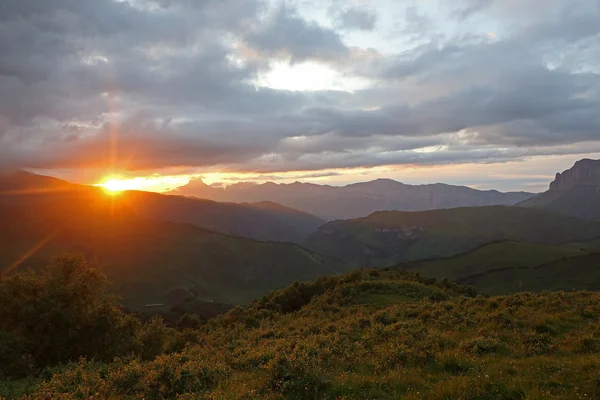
(370, 334)
(64, 313)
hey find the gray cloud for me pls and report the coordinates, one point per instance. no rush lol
(287, 34)
(176, 80)
(353, 18)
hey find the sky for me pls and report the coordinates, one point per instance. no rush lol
(487, 93)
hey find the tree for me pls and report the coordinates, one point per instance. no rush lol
(61, 314)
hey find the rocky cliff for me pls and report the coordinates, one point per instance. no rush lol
(584, 173)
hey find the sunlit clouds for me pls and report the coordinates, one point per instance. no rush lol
(252, 89)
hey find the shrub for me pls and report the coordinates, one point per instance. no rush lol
(64, 313)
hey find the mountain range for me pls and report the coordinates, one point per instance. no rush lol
(153, 246)
(355, 200)
(261, 221)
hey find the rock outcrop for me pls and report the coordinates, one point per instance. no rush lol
(584, 173)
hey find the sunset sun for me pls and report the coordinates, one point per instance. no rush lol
(114, 185)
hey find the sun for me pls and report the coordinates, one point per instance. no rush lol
(115, 185)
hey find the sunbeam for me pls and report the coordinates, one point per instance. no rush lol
(30, 252)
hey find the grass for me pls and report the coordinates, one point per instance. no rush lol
(577, 273)
(18, 388)
(508, 267)
(495, 256)
(373, 334)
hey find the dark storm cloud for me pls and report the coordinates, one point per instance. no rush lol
(176, 80)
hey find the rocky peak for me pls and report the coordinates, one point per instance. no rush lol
(584, 173)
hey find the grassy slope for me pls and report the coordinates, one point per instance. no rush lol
(373, 335)
(507, 267)
(593, 244)
(147, 258)
(386, 238)
(579, 201)
(577, 273)
(493, 256)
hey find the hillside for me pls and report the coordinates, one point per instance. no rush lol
(575, 192)
(373, 334)
(391, 237)
(504, 267)
(493, 256)
(262, 221)
(576, 273)
(356, 200)
(147, 259)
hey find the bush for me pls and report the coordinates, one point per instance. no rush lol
(64, 313)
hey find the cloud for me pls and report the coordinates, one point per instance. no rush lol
(286, 34)
(176, 82)
(353, 18)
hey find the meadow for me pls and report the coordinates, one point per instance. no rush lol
(368, 334)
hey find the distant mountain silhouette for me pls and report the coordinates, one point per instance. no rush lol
(261, 221)
(355, 200)
(575, 192)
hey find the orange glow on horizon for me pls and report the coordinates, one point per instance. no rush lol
(115, 184)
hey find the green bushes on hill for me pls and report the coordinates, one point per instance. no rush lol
(64, 313)
(370, 334)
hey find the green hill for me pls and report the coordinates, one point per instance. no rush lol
(370, 334)
(391, 237)
(576, 273)
(494, 256)
(506, 267)
(147, 259)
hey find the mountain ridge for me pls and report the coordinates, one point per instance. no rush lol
(354, 200)
(263, 221)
